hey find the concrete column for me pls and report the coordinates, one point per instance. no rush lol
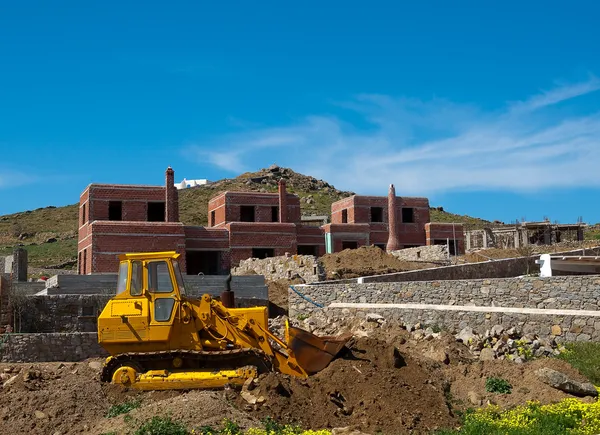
(484, 239)
(20, 264)
(393, 243)
(282, 202)
(171, 197)
(468, 240)
(517, 240)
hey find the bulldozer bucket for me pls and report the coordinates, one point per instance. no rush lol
(311, 352)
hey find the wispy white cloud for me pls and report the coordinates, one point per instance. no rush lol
(557, 95)
(10, 178)
(431, 146)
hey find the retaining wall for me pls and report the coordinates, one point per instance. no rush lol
(506, 268)
(50, 347)
(570, 304)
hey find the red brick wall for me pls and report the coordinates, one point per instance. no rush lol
(84, 239)
(443, 231)
(206, 238)
(338, 206)
(243, 236)
(217, 204)
(227, 207)
(134, 200)
(315, 236)
(110, 238)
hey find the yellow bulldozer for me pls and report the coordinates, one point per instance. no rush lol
(159, 338)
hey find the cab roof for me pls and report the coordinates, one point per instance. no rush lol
(149, 255)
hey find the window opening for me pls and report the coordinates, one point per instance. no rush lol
(274, 214)
(246, 213)
(263, 252)
(115, 209)
(408, 215)
(344, 216)
(349, 245)
(376, 214)
(156, 211)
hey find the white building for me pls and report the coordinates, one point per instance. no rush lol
(184, 184)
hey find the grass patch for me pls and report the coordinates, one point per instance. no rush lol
(497, 385)
(271, 427)
(123, 408)
(584, 356)
(162, 426)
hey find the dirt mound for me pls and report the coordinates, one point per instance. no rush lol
(468, 383)
(52, 397)
(194, 409)
(364, 261)
(387, 381)
(374, 387)
(278, 295)
(49, 398)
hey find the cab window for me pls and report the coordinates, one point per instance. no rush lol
(163, 307)
(159, 278)
(136, 278)
(123, 275)
(178, 277)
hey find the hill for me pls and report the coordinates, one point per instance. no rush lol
(50, 234)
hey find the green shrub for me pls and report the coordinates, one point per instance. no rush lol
(123, 408)
(162, 426)
(497, 385)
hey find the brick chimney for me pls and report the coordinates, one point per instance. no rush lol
(282, 201)
(171, 197)
(393, 243)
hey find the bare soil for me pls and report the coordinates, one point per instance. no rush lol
(364, 261)
(278, 295)
(386, 381)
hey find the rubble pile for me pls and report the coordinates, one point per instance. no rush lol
(512, 344)
(498, 342)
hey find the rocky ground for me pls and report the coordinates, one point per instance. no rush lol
(389, 379)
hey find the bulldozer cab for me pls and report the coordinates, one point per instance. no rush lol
(149, 294)
(147, 274)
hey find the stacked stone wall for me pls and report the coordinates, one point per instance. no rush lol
(284, 267)
(50, 347)
(567, 307)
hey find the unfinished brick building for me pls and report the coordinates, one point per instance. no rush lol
(132, 218)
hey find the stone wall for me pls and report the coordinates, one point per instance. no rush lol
(567, 305)
(284, 267)
(506, 268)
(436, 253)
(50, 347)
(60, 313)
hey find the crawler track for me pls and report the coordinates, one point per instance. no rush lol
(192, 359)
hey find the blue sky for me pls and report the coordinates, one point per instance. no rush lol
(488, 108)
